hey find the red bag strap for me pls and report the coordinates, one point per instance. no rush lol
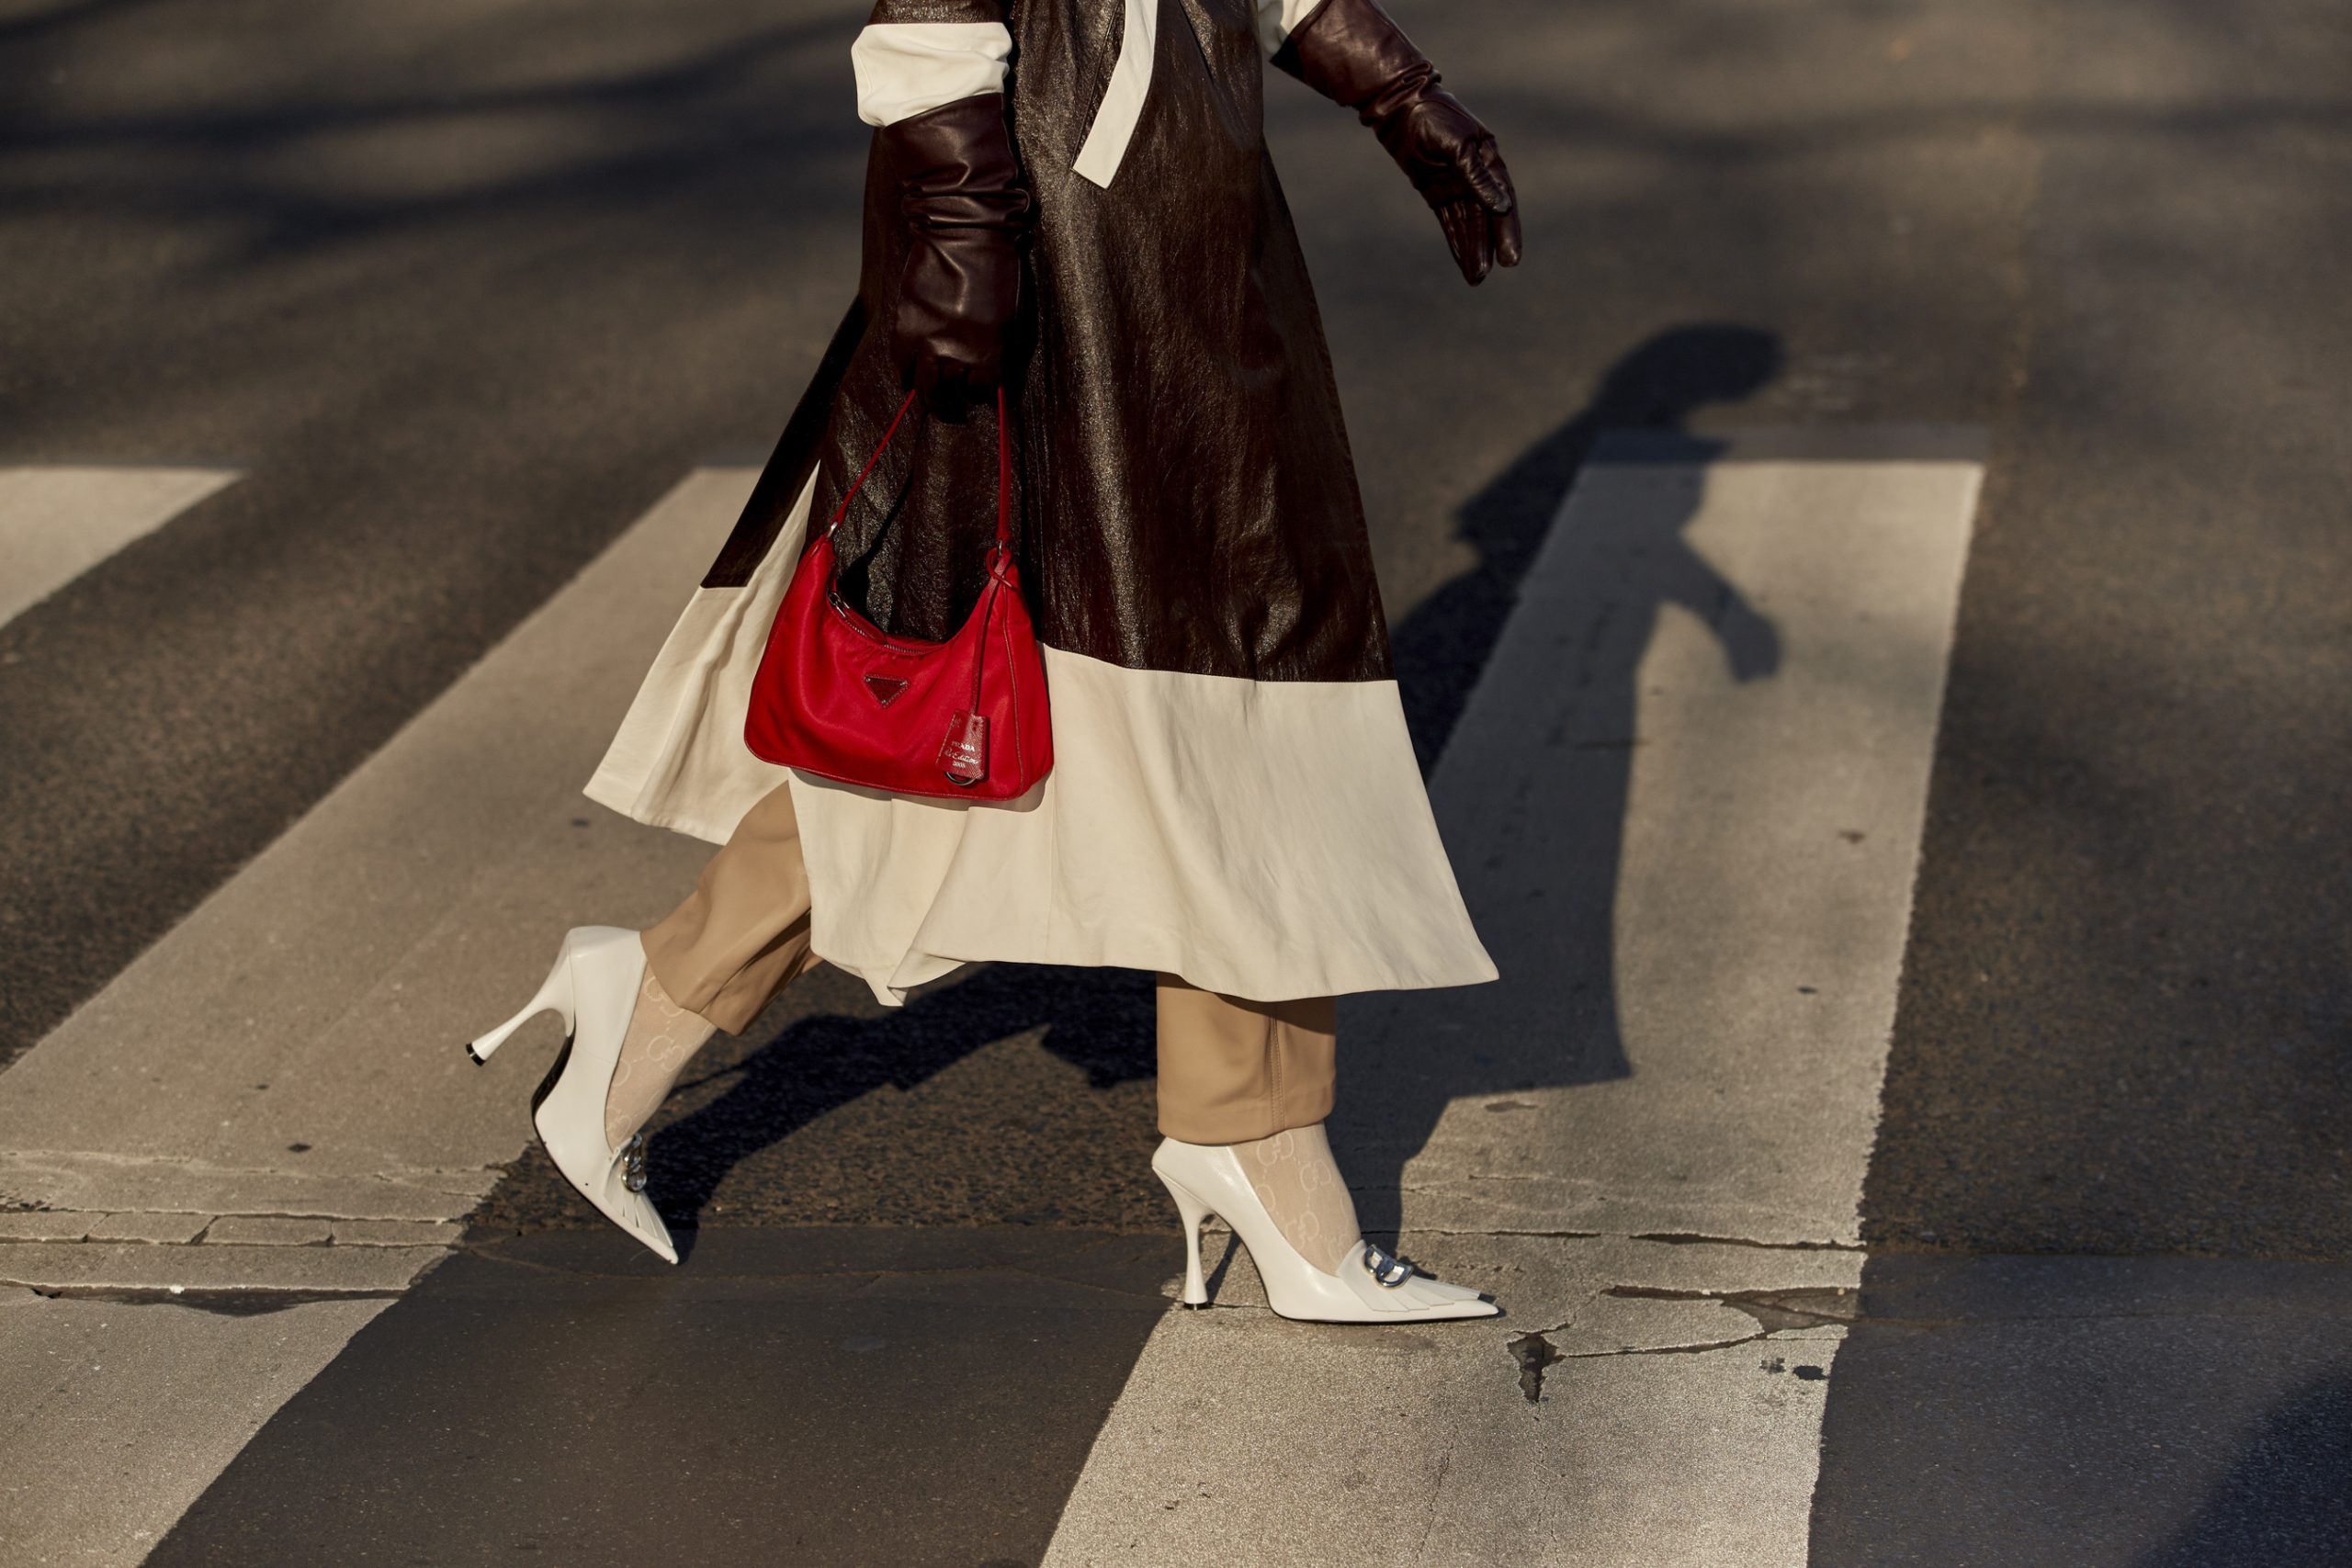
(1003, 478)
(1003, 471)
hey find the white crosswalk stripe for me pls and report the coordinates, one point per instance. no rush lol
(1744, 658)
(339, 972)
(56, 523)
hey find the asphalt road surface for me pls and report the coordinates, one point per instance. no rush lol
(455, 292)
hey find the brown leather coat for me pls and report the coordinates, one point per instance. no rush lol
(1185, 498)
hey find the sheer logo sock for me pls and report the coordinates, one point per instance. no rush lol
(662, 1038)
(1300, 1182)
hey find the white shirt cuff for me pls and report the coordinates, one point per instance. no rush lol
(905, 69)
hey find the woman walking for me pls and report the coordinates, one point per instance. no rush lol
(1069, 208)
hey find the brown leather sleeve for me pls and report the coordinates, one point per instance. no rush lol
(1353, 52)
(966, 210)
(1350, 52)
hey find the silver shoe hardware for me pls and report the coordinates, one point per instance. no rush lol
(633, 1163)
(1385, 1268)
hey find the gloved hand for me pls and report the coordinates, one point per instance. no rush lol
(966, 212)
(1350, 52)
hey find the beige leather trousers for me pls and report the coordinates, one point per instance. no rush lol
(1230, 1070)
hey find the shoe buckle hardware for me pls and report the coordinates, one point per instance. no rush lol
(1386, 1268)
(633, 1163)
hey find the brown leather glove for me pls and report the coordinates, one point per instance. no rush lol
(968, 211)
(1350, 52)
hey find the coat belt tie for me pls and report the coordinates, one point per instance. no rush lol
(1122, 107)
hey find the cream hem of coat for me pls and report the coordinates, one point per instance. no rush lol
(1262, 838)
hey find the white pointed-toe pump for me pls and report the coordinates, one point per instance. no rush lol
(594, 989)
(1371, 1286)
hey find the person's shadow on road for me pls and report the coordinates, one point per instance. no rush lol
(1558, 998)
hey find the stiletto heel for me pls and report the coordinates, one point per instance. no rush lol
(1196, 1289)
(554, 995)
(593, 988)
(1371, 1286)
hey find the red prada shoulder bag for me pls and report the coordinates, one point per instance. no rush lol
(964, 718)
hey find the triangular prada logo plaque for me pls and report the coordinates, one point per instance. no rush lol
(886, 688)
